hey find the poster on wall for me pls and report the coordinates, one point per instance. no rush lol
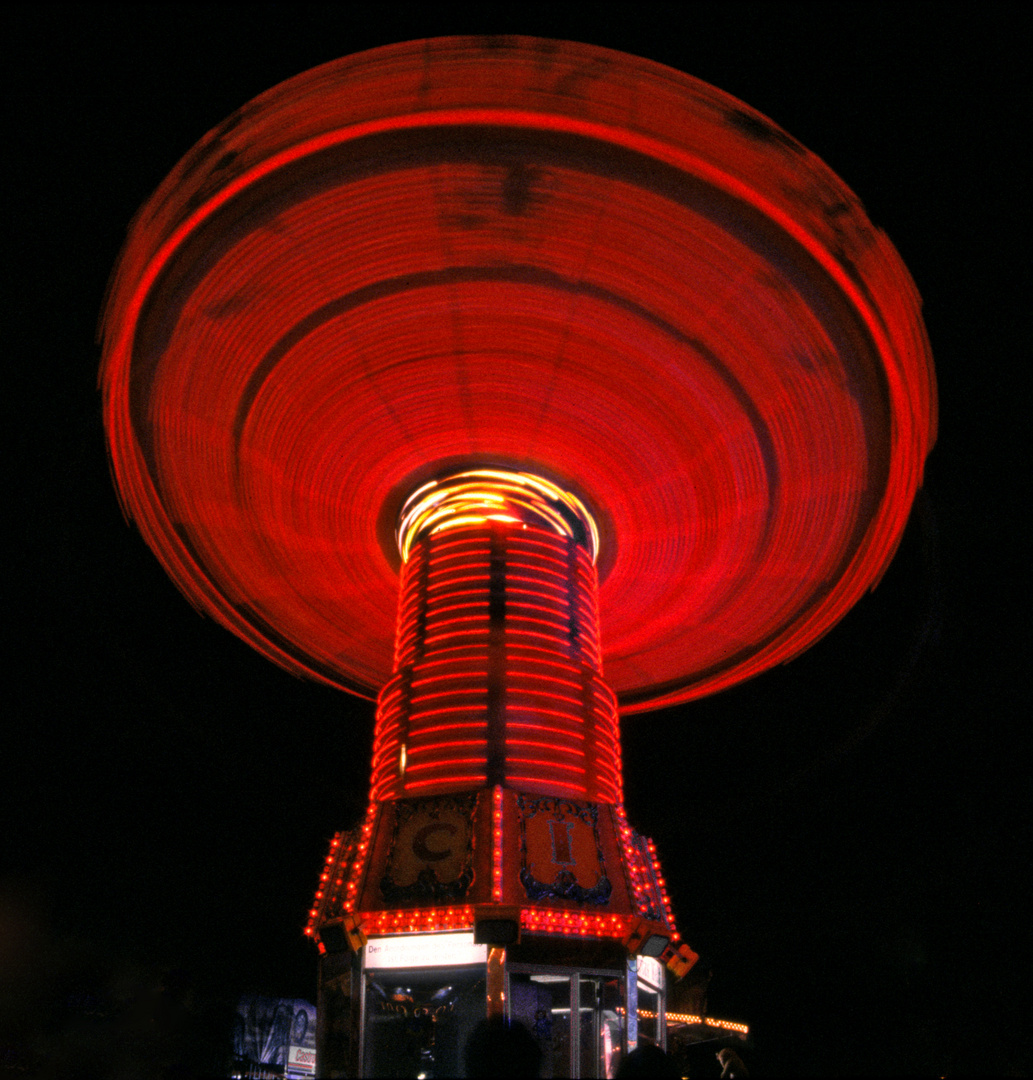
(275, 1037)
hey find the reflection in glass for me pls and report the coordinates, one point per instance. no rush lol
(648, 1015)
(542, 1004)
(417, 1022)
(599, 1001)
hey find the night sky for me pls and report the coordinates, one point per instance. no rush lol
(844, 837)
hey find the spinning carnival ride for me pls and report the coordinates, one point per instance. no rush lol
(601, 365)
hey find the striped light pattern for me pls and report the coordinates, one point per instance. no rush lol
(498, 676)
(544, 256)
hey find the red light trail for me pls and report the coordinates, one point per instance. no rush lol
(632, 284)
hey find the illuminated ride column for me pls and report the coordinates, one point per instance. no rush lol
(495, 833)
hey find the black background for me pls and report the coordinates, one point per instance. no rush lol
(844, 837)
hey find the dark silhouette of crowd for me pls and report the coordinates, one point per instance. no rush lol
(647, 1060)
(499, 1047)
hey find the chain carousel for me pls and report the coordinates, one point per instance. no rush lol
(522, 385)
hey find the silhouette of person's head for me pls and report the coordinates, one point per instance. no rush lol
(646, 1060)
(500, 1047)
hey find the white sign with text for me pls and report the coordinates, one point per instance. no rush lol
(424, 950)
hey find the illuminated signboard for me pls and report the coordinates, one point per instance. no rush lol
(301, 1061)
(424, 950)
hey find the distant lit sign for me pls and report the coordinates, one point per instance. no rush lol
(279, 1032)
(301, 1061)
(424, 950)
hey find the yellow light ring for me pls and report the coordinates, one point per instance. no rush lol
(481, 495)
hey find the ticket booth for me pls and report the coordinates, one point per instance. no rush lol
(419, 997)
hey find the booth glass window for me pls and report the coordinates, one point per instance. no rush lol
(418, 1021)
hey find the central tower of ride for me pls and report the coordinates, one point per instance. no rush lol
(495, 806)
(498, 677)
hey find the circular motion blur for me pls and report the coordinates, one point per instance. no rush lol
(532, 256)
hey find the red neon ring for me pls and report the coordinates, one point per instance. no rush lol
(536, 255)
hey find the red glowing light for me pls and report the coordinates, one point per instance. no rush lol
(552, 747)
(518, 725)
(444, 781)
(737, 379)
(448, 727)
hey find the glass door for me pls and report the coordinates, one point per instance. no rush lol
(541, 1002)
(601, 1034)
(545, 1001)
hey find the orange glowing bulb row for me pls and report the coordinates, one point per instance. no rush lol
(496, 836)
(709, 1021)
(581, 923)
(420, 920)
